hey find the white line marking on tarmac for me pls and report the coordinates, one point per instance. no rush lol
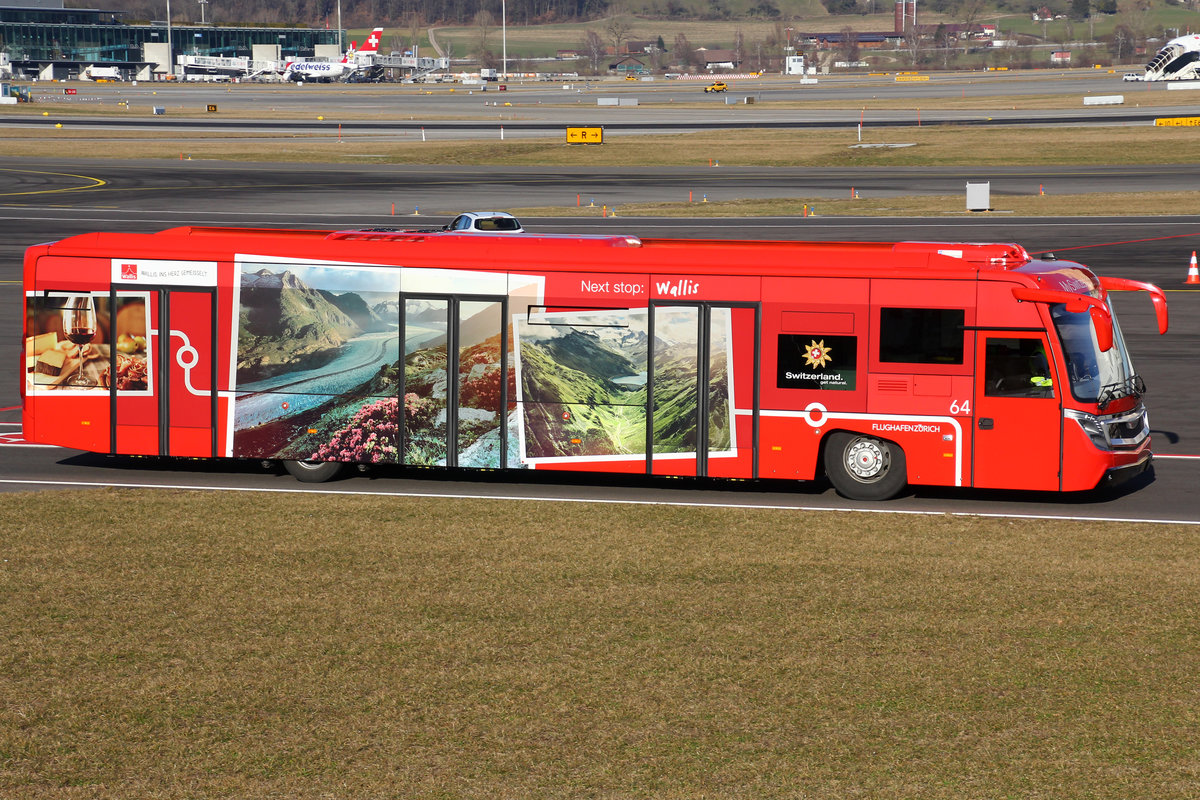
(667, 503)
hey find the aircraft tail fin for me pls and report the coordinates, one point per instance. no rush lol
(372, 42)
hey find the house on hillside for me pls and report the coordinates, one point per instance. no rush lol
(718, 59)
(831, 40)
(641, 46)
(628, 65)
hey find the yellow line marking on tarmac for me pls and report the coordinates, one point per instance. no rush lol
(61, 207)
(98, 182)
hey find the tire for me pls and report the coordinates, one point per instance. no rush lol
(313, 471)
(865, 468)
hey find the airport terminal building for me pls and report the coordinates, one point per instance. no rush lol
(44, 40)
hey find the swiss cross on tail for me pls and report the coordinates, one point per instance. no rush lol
(371, 45)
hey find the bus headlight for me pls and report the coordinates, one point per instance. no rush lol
(1091, 426)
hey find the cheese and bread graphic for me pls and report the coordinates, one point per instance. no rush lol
(46, 357)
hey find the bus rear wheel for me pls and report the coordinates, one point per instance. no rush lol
(313, 471)
(863, 467)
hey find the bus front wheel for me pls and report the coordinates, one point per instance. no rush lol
(313, 471)
(863, 467)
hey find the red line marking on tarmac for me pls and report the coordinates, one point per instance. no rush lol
(1110, 244)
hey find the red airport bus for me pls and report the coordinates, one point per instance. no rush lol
(877, 365)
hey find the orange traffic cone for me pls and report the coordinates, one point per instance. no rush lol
(1193, 273)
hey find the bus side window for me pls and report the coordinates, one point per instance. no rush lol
(921, 335)
(1017, 368)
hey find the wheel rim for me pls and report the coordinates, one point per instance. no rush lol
(867, 460)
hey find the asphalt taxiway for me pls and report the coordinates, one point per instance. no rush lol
(540, 108)
(135, 196)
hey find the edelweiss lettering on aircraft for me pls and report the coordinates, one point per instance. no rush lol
(326, 71)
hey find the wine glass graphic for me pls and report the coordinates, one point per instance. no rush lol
(79, 323)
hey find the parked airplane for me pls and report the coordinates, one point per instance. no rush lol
(326, 71)
(1178, 60)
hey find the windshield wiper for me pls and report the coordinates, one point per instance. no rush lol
(1133, 385)
(1108, 393)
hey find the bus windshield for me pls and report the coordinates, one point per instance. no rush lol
(1096, 376)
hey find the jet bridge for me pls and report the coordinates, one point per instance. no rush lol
(410, 68)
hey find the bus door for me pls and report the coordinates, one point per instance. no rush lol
(1018, 413)
(693, 428)
(454, 386)
(163, 381)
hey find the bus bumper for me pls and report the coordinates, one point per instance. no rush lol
(1121, 473)
(1087, 467)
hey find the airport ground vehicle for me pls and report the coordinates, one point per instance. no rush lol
(93, 72)
(719, 86)
(485, 222)
(878, 365)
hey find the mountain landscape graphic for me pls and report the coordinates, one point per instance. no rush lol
(285, 324)
(577, 405)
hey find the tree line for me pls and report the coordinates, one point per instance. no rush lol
(355, 13)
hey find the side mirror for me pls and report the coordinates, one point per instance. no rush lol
(1075, 303)
(1156, 296)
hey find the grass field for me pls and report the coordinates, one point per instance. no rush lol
(172, 645)
(546, 40)
(1031, 205)
(186, 645)
(930, 146)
